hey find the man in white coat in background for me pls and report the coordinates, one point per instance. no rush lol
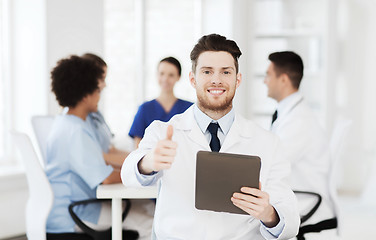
(167, 154)
(304, 140)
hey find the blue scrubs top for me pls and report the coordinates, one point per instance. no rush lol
(75, 167)
(101, 130)
(152, 110)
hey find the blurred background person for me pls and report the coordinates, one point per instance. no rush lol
(305, 143)
(165, 106)
(75, 164)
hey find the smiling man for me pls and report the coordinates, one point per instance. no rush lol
(167, 154)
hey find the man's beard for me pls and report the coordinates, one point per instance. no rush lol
(226, 104)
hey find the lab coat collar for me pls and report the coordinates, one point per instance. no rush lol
(287, 104)
(189, 125)
(204, 120)
(240, 129)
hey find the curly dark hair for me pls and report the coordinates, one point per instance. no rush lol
(98, 60)
(73, 79)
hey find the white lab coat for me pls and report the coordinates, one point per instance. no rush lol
(306, 146)
(176, 216)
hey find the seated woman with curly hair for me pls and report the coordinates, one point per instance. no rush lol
(75, 163)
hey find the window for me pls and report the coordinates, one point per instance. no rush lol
(137, 35)
(169, 31)
(120, 96)
(4, 83)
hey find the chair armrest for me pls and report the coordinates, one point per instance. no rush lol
(314, 208)
(82, 225)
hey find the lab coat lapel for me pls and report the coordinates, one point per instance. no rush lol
(238, 131)
(287, 113)
(189, 125)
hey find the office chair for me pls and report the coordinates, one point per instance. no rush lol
(337, 143)
(41, 197)
(42, 127)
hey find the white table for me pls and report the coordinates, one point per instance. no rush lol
(116, 192)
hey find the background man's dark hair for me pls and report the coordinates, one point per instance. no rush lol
(73, 79)
(289, 63)
(216, 43)
(173, 61)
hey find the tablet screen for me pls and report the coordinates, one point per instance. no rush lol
(219, 175)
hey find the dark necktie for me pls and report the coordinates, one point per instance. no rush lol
(214, 142)
(275, 115)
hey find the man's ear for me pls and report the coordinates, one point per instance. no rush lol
(238, 79)
(285, 79)
(192, 79)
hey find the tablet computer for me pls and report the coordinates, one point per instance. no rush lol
(219, 175)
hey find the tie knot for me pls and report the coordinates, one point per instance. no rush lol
(213, 128)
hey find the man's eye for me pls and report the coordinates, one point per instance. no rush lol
(206, 72)
(226, 72)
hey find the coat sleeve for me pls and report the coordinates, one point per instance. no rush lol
(130, 175)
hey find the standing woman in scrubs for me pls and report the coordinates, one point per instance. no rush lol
(165, 106)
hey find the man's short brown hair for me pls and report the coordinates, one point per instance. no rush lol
(216, 43)
(289, 63)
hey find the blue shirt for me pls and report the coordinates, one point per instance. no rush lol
(152, 110)
(75, 167)
(101, 130)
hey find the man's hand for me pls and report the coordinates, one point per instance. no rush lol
(161, 157)
(256, 203)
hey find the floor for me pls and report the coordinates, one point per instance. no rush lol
(358, 219)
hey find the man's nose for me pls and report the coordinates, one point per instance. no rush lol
(216, 79)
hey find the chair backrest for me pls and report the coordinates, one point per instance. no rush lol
(337, 143)
(42, 127)
(40, 192)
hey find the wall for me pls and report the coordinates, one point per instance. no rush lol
(28, 62)
(27, 50)
(353, 92)
(73, 27)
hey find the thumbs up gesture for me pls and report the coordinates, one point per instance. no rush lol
(161, 157)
